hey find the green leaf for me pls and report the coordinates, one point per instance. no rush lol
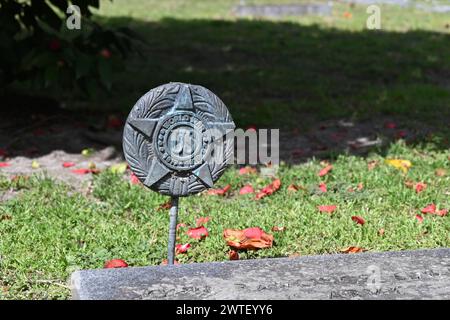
(119, 168)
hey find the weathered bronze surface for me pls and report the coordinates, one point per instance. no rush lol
(168, 139)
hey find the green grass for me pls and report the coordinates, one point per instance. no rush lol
(269, 73)
(272, 71)
(49, 230)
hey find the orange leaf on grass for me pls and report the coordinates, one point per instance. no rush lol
(358, 220)
(181, 225)
(182, 248)
(115, 263)
(247, 170)
(327, 208)
(164, 206)
(278, 229)
(250, 238)
(431, 208)
(442, 212)
(233, 255)
(246, 189)
(372, 164)
(269, 189)
(219, 192)
(198, 233)
(352, 249)
(359, 188)
(323, 187)
(381, 232)
(294, 187)
(347, 15)
(201, 221)
(325, 170)
(420, 186)
(134, 179)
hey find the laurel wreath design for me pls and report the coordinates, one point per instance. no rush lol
(156, 103)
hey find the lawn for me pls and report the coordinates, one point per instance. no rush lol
(50, 230)
(270, 73)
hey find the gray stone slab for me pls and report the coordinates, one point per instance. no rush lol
(421, 274)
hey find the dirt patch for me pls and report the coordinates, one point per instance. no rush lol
(51, 140)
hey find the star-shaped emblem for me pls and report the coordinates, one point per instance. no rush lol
(159, 168)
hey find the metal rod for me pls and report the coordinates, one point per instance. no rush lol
(172, 230)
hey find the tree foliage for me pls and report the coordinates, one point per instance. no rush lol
(38, 49)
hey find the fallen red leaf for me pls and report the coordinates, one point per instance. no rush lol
(250, 238)
(68, 164)
(347, 15)
(419, 218)
(114, 122)
(105, 53)
(198, 233)
(352, 250)
(327, 208)
(201, 221)
(358, 220)
(182, 248)
(233, 255)
(219, 192)
(401, 134)
(115, 263)
(85, 171)
(164, 206)
(247, 170)
(278, 229)
(442, 212)
(181, 225)
(269, 189)
(323, 187)
(294, 187)
(372, 164)
(420, 186)
(325, 170)
(4, 164)
(429, 209)
(246, 189)
(134, 179)
(390, 125)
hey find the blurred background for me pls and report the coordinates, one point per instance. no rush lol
(311, 68)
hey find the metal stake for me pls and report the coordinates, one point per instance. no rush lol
(172, 230)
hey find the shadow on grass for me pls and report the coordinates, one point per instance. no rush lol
(285, 75)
